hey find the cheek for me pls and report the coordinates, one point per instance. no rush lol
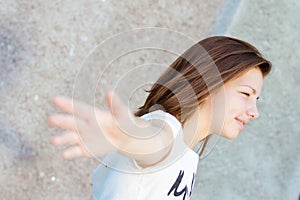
(235, 108)
(219, 112)
(235, 105)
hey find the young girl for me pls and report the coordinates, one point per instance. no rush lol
(211, 88)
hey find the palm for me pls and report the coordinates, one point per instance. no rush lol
(90, 132)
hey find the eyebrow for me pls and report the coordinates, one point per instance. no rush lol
(253, 90)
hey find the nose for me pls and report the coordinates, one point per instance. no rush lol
(252, 111)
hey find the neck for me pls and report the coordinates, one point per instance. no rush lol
(195, 130)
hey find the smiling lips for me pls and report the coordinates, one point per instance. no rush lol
(241, 123)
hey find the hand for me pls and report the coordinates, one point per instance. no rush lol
(93, 132)
(88, 130)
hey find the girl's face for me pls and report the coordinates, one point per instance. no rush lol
(231, 107)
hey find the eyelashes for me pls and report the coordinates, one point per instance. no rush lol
(246, 94)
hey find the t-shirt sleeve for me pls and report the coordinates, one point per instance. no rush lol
(176, 128)
(166, 117)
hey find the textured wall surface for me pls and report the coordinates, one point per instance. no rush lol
(42, 48)
(263, 162)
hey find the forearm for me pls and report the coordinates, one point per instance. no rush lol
(148, 142)
(94, 132)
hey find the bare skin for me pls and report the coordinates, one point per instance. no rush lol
(93, 132)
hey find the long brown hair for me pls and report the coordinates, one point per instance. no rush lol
(201, 69)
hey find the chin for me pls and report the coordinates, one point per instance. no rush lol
(230, 135)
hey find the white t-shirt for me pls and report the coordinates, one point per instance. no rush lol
(120, 178)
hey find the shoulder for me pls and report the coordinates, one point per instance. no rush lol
(174, 124)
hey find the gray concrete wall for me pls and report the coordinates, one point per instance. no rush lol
(263, 162)
(43, 45)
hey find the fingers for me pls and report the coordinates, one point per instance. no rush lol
(67, 138)
(66, 122)
(76, 121)
(76, 149)
(63, 103)
(74, 152)
(73, 107)
(62, 121)
(115, 104)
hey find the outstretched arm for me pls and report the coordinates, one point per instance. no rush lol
(93, 132)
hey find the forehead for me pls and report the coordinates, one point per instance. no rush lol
(252, 78)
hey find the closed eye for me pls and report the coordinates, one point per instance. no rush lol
(246, 94)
